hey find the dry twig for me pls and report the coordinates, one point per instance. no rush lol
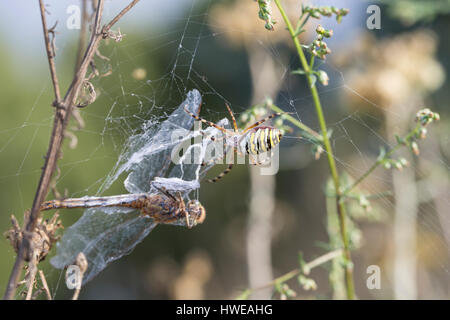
(45, 285)
(82, 264)
(40, 240)
(62, 113)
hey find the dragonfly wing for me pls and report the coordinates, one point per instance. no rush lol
(175, 184)
(106, 234)
(149, 153)
(103, 237)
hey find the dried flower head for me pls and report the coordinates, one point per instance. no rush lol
(323, 77)
(41, 240)
(237, 21)
(325, 11)
(265, 13)
(426, 116)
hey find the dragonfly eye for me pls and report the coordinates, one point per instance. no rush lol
(197, 211)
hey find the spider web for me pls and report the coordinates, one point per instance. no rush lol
(142, 104)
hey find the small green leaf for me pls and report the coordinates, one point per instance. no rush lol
(306, 283)
(244, 295)
(298, 32)
(313, 79)
(301, 261)
(298, 71)
(329, 133)
(382, 154)
(278, 287)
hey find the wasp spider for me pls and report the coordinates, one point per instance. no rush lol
(253, 140)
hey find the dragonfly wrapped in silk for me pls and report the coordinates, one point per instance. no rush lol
(159, 192)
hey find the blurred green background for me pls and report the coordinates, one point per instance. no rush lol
(378, 80)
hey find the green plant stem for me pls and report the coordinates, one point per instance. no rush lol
(370, 196)
(304, 270)
(311, 63)
(299, 27)
(380, 161)
(331, 163)
(297, 123)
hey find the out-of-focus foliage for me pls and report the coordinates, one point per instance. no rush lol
(391, 70)
(412, 11)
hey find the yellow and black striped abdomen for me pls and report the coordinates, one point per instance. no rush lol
(262, 139)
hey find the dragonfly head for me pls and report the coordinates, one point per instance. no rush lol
(196, 211)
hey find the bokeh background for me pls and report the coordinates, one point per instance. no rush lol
(256, 225)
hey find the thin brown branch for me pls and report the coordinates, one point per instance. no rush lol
(45, 285)
(83, 35)
(81, 47)
(82, 264)
(50, 54)
(37, 293)
(76, 293)
(117, 18)
(62, 114)
(31, 278)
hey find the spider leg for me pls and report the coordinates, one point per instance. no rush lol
(220, 176)
(240, 153)
(167, 193)
(257, 163)
(232, 118)
(182, 208)
(212, 124)
(226, 171)
(179, 199)
(219, 157)
(213, 138)
(252, 161)
(215, 159)
(257, 123)
(212, 161)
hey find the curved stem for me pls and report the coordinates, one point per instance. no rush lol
(331, 163)
(380, 161)
(297, 123)
(304, 270)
